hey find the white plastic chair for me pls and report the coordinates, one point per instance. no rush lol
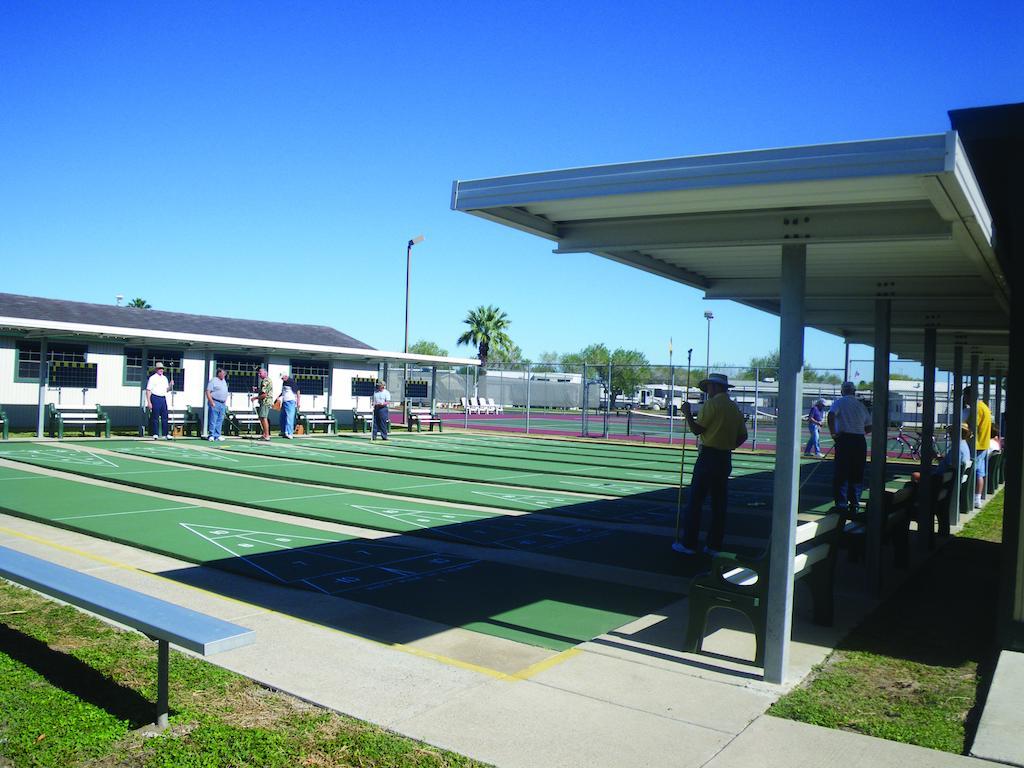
(493, 407)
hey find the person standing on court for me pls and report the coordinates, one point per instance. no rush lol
(380, 412)
(217, 399)
(157, 388)
(815, 418)
(289, 405)
(721, 430)
(982, 440)
(849, 422)
(264, 399)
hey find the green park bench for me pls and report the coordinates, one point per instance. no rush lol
(157, 619)
(91, 417)
(186, 419)
(421, 416)
(741, 584)
(311, 420)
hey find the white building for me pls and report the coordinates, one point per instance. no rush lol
(98, 354)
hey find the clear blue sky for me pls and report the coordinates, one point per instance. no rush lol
(270, 160)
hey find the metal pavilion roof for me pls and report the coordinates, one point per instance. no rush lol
(894, 218)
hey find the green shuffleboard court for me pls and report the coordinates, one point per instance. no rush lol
(540, 608)
(563, 538)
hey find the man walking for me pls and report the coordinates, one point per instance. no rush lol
(290, 395)
(217, 399)
(157, 388)
(264, 399)
(380, 412)
(849, 422)
(721, 430)
(815, 418)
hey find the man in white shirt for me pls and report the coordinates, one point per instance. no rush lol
(848, 423)
(156, 399)
(380, 412)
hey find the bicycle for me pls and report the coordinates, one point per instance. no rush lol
(908, 443)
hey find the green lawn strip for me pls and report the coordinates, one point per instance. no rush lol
(566, 538)
(911, 670)
(472, 593)
(218, 718)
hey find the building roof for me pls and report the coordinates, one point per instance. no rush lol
(56, 318)
(36, 308)
(899, 218)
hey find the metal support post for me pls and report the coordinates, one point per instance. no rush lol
(879, 440)
(986, 386)
(787, 464)
(529, 377)
(608, 400)
(44, 374)
(467, 396)
(972, 419)
(672, 402)
(846, 361)
(927, 433)
(757, 398)
(957, 415)
(997, 410)
(433, 391)
(163, 660)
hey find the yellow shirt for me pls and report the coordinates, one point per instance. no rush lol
(984, 431)
(722, 422)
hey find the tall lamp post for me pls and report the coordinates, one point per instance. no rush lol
(709, 316)
(405, 367)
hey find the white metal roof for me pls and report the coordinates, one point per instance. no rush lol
(901, 218)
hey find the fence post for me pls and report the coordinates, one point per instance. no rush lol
(672, 403)
(467, 396)
(529, 376)
(583, 413)
(757, 396)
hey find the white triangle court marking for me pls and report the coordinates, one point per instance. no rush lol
(530, 499)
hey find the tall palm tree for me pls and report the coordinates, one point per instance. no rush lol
(487, 329)
(140, 304)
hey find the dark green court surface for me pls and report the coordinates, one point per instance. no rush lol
(541, 608)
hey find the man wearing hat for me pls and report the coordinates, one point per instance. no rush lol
(849, 422)
(815, 418)
(380, 412)
(157, 388)
(721, 430)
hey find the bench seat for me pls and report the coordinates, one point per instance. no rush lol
(310, 420)
(421, 416)
(157, 619)
(82, 416)
(237, 420)
(188, 419)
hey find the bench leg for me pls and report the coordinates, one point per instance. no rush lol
(163, 661)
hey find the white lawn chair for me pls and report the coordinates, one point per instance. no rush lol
(465, 404)
(476, 405)
(494, 408)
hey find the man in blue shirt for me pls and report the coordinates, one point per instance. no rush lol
(217, 399)
(815, 418)
(381, 397)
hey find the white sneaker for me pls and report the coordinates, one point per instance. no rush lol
(168, 437)
(220, 439)
(155, 437)
(211, 438)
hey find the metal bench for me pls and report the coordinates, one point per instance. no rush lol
(4, 423)
(92, 417)
(189, 419)
(421, 416)
(741, 584)
(157, 619)
(310, 420)
(246, 419)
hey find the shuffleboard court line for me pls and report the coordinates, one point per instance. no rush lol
(132, 512)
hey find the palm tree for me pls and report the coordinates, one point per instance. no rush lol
(140, 304)
(487, 329)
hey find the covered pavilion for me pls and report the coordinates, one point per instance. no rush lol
(889, 242)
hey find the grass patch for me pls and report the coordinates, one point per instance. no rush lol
(75, 689)
(911, 671)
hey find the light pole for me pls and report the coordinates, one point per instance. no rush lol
(408, 261)
(709, 316)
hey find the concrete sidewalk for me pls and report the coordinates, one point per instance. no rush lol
(628, 698)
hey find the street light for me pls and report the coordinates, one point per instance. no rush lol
(408, 259)
(709, 316)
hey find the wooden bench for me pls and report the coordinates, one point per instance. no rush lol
(741, 584)
(421, 416)
(188, 419)
(157, 619)
(310, 420)
(92, 417)
(236, 421)
(4, 424)
(362, 421)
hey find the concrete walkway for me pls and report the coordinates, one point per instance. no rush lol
(628, 698)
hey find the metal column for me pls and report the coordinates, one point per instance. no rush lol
(986, 387)
(163, 659)
(433, 391)
(468, 368)
(757, 397)
(608, 401)
(879, 440)
(954, 445)
(997, 409)
(846, 361)
(44, 373)
(672, 402)
(972, 419)
(787, 464)
(927, 433)
(529, 377)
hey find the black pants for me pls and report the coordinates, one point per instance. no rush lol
(380, 422)
(158, 416)
(710, 475)
(851, 456)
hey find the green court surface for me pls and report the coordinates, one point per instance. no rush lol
(570, 539)
(311, 466)
(541, 608)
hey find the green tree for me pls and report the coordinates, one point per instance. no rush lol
(548, 362)
(630, 369)
(488, 328)
(140, 304)
(424, 347)
(511, 356)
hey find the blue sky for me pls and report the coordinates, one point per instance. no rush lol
(270, 160)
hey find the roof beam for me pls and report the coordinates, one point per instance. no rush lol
(522, 220)
(656, 267)
(768, 288)
(863, 319)
(865, 223)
